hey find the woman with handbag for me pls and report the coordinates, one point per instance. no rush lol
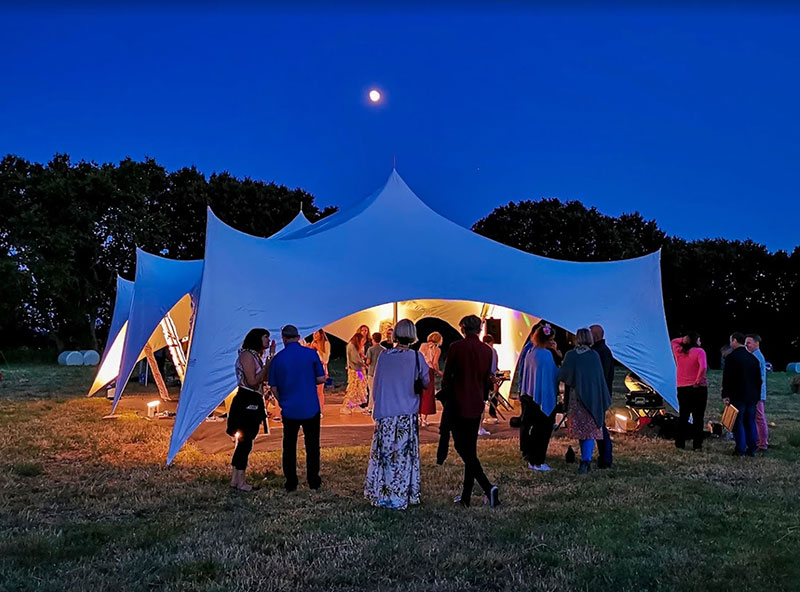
(393, 474)
(247, 412)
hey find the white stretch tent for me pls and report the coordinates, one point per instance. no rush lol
(112, 354)
(160, 284)
(162, 281)
(313, 282)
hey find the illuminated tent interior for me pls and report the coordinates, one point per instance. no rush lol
(315, 281)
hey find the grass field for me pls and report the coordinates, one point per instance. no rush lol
(87, 504)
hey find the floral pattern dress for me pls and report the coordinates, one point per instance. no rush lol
(393, 474)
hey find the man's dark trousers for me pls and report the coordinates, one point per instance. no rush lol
(291, 427)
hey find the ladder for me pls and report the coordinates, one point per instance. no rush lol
(174, 346)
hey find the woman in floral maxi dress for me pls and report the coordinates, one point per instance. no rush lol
(393, 474)
(355, 394)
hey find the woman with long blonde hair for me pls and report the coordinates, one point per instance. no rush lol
(355, 394)
(321, 345)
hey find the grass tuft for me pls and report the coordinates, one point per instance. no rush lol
(26, 469)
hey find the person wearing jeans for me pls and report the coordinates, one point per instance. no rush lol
(293, 376)
(589, 398)
(468, 376)
(753, 344)
(690, 361)
(741, 387)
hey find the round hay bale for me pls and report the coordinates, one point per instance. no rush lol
(90, 357)
(74, 358)
(793, 368)
(62, 357)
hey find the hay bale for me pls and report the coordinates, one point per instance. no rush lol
(793, 368)
(90, 357)
(73, 358)
(62, 357)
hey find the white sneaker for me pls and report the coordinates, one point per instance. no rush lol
(482, 432)
(491, 420)
(541, 467)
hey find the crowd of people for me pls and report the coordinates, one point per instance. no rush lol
(396, 385)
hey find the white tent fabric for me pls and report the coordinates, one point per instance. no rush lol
(109, 363)
(319, 283)
(160, 284)
(164, 280)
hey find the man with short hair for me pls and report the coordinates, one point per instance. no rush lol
(388, 343)
(468, 376)
(373, 353)
(741, 387)
(294, 375)
(753, 344)
(604, 446)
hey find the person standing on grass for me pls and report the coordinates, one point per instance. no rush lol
(604, 447)
(690, 360)
(293, 376)
(248, 412)
(373, 353)
(468, 375)
(393, 473)
(492, 403)
(355, 393)
(322, 346)
(589, 398)
(431, 352)
(741, 387)
(538, 393)
(523, 436)
(753, 344)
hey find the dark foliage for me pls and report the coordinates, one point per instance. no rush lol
(67, 230)
(713, 286)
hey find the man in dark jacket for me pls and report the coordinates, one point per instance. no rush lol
(741, 387)
(604, 456)
(468, 377)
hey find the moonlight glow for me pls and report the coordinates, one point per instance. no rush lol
(374, 96)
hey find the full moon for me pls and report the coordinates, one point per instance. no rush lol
(374, 95)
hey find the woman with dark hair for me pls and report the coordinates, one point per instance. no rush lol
(589, 398)
(538, 393)
(247, 411)
(355, 394)
(692, 366)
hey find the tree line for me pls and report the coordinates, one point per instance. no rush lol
(712, 286)
(67, 229)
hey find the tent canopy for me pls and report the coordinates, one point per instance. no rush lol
(160, 284)
(166, 286)
(112, 354)
(316, 278)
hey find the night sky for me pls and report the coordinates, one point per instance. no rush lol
(689, 116)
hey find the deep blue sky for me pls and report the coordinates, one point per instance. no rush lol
(688, 116)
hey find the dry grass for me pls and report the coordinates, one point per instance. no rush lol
(87, 504)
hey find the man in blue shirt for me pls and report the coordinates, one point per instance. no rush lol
(293, 377)
(753, 345)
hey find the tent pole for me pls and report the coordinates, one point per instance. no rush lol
(157, 378)
(394, 314)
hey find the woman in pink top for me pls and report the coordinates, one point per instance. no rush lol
(692, 387)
